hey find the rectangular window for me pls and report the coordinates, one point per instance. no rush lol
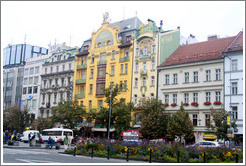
(152, 96)
(34, 101)
(217, 96)
(81, 103)
(152, 81)
(136, 67)
(144, 81)
(35, 89)
(36, 80)
(208, 75)
(166, 98)
(29, 90)
(24, 91)
(56, 81)
(135, 100)
(51, 69)
(112, 70)
(153, 49)
(186, 97)
(82, 89)
(145, 51)
(99, 89)
(92, 71)
(194, 119)
(43, 98)
(175, 78)
(153, 65)
(25, 81)
(121, 85)
(31, 71)
(63, 67)
(208, 96)
(137, 52)
(126, 53)
(45, 70)
(113, 55)
(44, 84)
(195, 74)
(83, 74)
(57, 68)
(100, 103)
(125, 82)
(122, 69)
(30, 80)
(91, 88)
(175, 98)
(62, 81)
(136, 82)
(167, 79)
(144, 67)
(187, 77)
(195, 97)
(217, 74)
(50, 83)
(37, 70)
(90, 104)
(101, 72)
(234, 88)
(26, 72)
(143, 99)
(70, 66)
(234, 113)
(234, 65)
(126, 68)
(207, 119)
(55, 96)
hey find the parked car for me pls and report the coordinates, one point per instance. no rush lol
(206, 144)
(25, 134)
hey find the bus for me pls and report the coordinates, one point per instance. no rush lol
(60, 133)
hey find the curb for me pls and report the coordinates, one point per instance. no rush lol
(22, 147)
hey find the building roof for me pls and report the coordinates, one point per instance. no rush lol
(201, 51)
(236, 44)
(127, 24)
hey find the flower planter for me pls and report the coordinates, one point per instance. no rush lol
(173, 104)
(207, 103)
(186, 104)
(194, 104)
(217, 103)
(166, 104)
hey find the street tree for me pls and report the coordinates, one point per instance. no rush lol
(220, 123)
(44, 123)
(180, 125)
(66, 113)
(16, 119)
(153, 120)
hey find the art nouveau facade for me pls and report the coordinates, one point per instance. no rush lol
(193, 74)
(57, 79)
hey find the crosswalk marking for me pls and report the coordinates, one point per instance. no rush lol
(36, 161)
(15, 151)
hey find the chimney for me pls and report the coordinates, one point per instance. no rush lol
(212, 37)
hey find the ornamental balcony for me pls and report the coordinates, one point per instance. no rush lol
(125, 59)
(82, 66)
(81, 95)
(80, 81)
(102, 62)
(145, 58)
(143, 72)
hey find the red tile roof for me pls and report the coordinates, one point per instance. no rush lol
(236, 44)
(201, 51)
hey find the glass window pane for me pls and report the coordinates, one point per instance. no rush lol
(12, 59)
(28, 51)
(18, 54)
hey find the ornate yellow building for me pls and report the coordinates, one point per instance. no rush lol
(110, 50)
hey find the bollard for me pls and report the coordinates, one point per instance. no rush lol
(204, 159)
(236, 158)
(150, 155)
(178, 157)
(108, 152)
(92, 151)
(127, 154)
(74, 150)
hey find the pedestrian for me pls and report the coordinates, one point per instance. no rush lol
(65, 141)
(69, 141)
(50, 142)
(55, 140)
(6, 136)
(30, 135)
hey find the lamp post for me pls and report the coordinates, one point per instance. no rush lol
(110, 107)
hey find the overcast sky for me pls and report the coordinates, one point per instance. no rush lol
(73, 22)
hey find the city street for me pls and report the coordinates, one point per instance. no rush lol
(11, 155)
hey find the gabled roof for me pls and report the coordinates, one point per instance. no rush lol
(128, 24)
(236, 44)
(201, 51)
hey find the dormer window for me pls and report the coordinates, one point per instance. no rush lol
(99, 44)
(109, 42)
(128, 38)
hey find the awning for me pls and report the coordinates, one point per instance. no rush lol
(131, 132)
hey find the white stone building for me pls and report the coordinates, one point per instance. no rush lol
(57, 77)
(193, 74)
(233, 78)
(32, 83)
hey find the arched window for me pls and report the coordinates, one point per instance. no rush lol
(108, 42)
(99, 44)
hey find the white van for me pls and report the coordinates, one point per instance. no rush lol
(60, 133)
(24, 138)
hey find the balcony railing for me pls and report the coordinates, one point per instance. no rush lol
(81, 66)
(79, 81)
(145, 58)
(124, 59)
(81, 95)
(143, 72)
(102, 62)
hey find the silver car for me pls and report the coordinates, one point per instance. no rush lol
(206, 144)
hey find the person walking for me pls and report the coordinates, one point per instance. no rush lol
(69, 141)
(65, 141)
(50, 142)
(55, 140)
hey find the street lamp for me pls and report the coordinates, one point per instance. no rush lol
(110, 108)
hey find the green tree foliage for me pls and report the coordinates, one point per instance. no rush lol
(153, 120)
(220, 123)
(44, 123)
(16, 119)
(180, 125)
(66, 113)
